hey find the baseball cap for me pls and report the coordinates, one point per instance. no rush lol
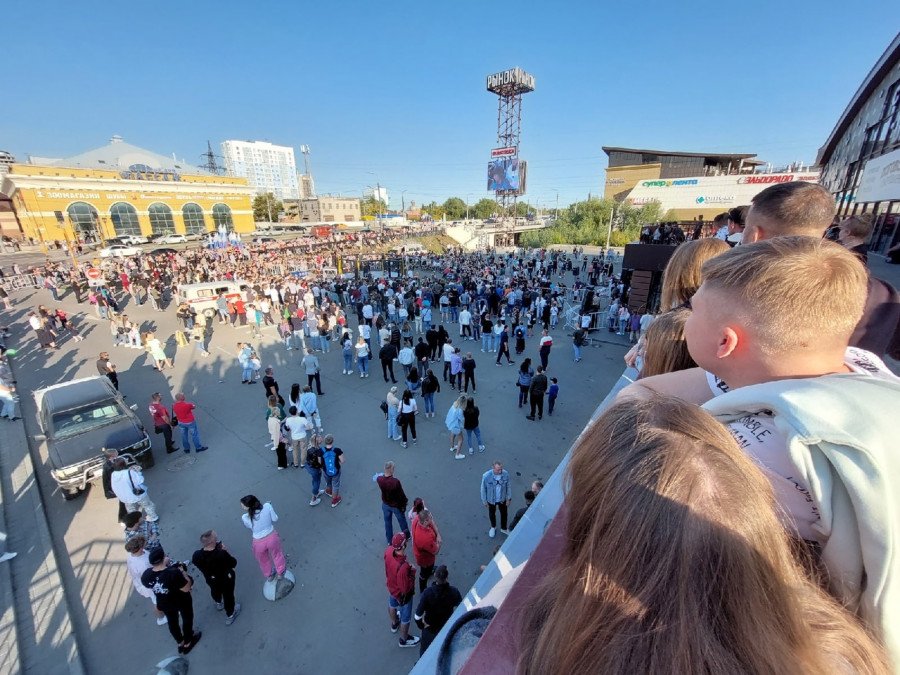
(398, 540)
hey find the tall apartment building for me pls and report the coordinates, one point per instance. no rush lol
(267, 167)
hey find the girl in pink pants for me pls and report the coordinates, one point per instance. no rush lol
(260, 519)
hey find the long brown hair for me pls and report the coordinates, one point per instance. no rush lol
(682, 276)
(665, 347)
(675, 562)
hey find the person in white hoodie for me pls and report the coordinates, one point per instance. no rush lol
(769, 329)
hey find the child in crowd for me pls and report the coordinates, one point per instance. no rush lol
(138, 561)
(552, 393)
(769, 329)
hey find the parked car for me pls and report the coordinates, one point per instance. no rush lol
(172, 239)
(119, 251)
(161, 251)
(79, 420)
(133, 239)
(262, 240)
(202, 297)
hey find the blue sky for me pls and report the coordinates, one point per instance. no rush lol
(395, 91)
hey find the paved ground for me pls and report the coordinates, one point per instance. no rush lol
(336, 617)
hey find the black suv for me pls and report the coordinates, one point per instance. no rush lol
(80, 419)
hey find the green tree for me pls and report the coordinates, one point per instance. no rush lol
(455, 208)
(266, 208)
(434, 209)
(588, 222)
(485, 208)
(372, 207)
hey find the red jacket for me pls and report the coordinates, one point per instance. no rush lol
(425, 545)
(400, 575)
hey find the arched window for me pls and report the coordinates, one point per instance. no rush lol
(161, 220)
(222, 216)
(125, 220)
(194, 223)
(85, 221)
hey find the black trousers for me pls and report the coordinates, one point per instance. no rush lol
(408, 421)
(428, 636)
(281, 455)
(425, 574)
(166, 431)
(469, 377)
(387, 366)
(222, 590)
(184, 608)
(492, 514)
(446, 370)
(315, 377)
(504, 350)
(114, 378)
(537, 403)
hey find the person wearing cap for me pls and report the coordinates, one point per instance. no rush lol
(401, 586)
(435, 607)
(171, 585)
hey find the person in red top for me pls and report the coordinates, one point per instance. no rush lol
(426, 544)
(401, 585)
(184, 412)
(162, 423)
(241, 311)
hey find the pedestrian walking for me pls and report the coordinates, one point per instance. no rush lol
(523, 381)
(471, 415)
(137, 562)
(310, 365)
(426, 543)
(260, 519)
(503, 349)
(536, 393)
(447, 350)
(430, 386)
(546, 343)
(454, 424)
(436, 605)
(393, 501)
(128, 485)
(387, 354)
(171, 584)
(495, 495)
(401, 585)
(332, 463)
(578, 342)
(162, 421)
(407, 417)
(183, 412)
(217, 566)
(363, 353)
(314, 467)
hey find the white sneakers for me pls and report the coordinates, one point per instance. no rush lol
(480, 448)
(492, 532)
(471, 451)
(459, 456)
(504, 531)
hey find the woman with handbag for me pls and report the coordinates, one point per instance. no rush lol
(407, 417)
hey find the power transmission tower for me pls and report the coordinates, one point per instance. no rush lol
(211, 165)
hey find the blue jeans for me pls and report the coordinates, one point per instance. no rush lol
(477, 432)
(325, 343)
(247, 373)
(186, 428)
(392, 430)
(486, 342)
(363, 363)
(577, 350)
(9, 404)
(348, 361)
(429, 402)
(551, 401)
(389, 513)
(316, 475)
(426, 324)
(404, 611)
(454, 314)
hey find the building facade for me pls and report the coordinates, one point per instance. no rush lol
(327, 209)
(861, 158)
(6, 160)
(267, 167)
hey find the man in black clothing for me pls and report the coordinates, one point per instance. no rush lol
(431, 336)
(217, 566)
(536, 393)
(422, 352)
(529, 498)
(106, 477)
(504, 346)
(387, 354)
(172, 586)
(270, 386)
(435, 606)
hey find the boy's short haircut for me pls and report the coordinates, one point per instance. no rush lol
(794, 292)
(207, 537)
(135, 544)
(132, 519)
(860, 225)
(795, 208)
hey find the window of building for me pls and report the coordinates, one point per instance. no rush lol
(161, 219)
(194, 223)
(125, 220)
(84, 219)
(222, 216)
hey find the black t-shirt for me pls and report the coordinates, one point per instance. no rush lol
(215, 565)
(166, 584)
(268, 384)
(437, 604)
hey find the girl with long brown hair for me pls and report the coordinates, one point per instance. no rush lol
(675, 562)
(682, 276)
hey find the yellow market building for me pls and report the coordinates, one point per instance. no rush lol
(121, 190)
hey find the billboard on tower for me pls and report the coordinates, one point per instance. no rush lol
(506, 175)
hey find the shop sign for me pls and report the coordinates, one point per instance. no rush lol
(880, 179)
(144, 172)
(715, 199)
(67, 195)
(670, 183)
(615, 181)
(503, 152)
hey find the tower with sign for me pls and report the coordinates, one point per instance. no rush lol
(506, 170)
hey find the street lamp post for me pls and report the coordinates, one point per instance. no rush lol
(468, 199)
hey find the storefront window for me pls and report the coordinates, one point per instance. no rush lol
(125, 220)
(194, 223)
(222, 216)
(161, 220)
(84, 219)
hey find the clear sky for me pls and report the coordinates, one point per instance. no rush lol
(394, 92)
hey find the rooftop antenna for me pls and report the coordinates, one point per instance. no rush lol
(211, 165)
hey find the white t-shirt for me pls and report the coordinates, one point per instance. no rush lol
(264, 524)
(298, 426)
(136, 566)
(758, 436)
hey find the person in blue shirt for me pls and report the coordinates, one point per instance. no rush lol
(552, 393)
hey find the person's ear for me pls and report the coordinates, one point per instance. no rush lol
(752, 234)
(729, 340)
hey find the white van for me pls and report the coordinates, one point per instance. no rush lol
(202, 297)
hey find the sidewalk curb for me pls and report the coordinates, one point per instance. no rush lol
(44, 631)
